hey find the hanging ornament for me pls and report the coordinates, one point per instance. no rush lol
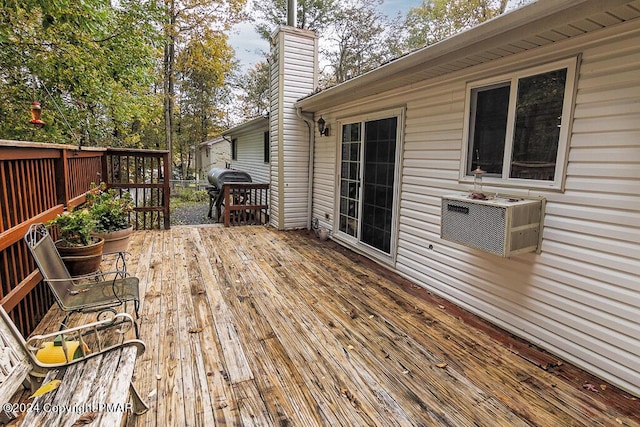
(36, 112)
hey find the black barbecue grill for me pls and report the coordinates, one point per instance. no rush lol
(218, 177)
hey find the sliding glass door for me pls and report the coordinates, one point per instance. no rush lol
(367, 181)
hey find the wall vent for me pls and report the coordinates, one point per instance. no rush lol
(502, 226)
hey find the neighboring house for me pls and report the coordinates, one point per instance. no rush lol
(214, 153)
(546, 100)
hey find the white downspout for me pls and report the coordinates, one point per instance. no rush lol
(308, 118)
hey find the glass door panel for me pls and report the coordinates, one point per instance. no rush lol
(367, 180)
(378, 183)
(350, 179)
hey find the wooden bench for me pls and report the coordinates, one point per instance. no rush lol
(94, 387)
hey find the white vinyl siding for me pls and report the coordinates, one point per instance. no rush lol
(251, 154)
(324, 169)
(293, 76)
(216, 154)
(580, 297)
(274, 130)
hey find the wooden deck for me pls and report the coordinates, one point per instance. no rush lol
(250, 326)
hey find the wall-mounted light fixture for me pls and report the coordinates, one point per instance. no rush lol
(322, 127)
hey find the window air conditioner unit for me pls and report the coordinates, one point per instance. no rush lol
(502, 225)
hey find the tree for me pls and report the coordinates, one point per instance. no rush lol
(353, 33)
(254, 87)
(435, 20)
(203, 68)
(311, 15)
(89, 64)
(357, 40)
(186, 20)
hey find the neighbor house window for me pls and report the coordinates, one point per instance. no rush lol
(267, 148)
(518, 125)
(234, 149)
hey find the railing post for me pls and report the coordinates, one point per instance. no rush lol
(104, 169)
(167, 190)
(62, 183)
(227, 205)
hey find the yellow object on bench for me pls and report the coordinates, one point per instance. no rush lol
(53, 352)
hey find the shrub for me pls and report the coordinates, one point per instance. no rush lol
(74, 227)
(110, 209)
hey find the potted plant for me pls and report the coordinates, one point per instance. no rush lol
(110, 211)
(81, 252)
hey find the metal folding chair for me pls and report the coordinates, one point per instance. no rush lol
(96, 292)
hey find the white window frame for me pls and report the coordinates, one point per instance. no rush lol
(355, 242)
(571, 64)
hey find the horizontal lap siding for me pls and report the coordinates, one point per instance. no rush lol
(251, 154)
(219, 156)
(296, 78)
(300, 81)
(274, 134)
(324, 191)
(580, 297)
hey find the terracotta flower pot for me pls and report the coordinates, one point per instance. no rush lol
(81, 260)
(115, 241)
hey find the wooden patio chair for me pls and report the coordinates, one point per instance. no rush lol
(96, 292)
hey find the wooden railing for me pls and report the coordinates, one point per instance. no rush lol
(39, 181)
(246, 203)
(142, 173)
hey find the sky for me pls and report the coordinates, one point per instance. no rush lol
(250, 47)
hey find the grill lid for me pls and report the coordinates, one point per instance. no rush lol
(220, 176)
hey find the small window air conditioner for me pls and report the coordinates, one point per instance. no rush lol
(503, 225)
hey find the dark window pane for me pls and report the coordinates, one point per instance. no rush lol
(355, 132)
(537, 130)
(354, 171)
(234, 149)
(379, 160)
(355, 152)
(489, 127)
(343, 222)
(351, 211)
(353, 190)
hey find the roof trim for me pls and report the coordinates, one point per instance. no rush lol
(210, 142)
(252, 123)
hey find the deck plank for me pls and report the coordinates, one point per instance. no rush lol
(148, 268)
(188, 347)
(170, 399)
(214, 393)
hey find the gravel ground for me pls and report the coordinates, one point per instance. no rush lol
(191, 214)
